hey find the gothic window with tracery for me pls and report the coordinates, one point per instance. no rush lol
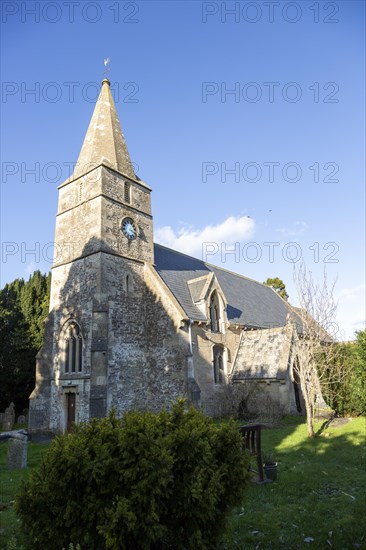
(73, 356)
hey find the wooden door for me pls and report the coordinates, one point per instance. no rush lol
(70, 410)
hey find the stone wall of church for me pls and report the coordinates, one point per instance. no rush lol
(268, 397)
(263, 353)
(75, 293)
(263, 361)
(73, 290)
(203, 343)
(74, 192)
(97, 196)
(77, 233)
(113, 187)
(258, 358)
(147, 349)
(135, 345)
(111, 235)
(114, 209)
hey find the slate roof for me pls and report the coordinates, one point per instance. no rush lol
(249, 302)
(196, 287)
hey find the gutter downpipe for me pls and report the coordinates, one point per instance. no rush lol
(190, 323)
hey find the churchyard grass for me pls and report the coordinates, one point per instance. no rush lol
(10, 481)
(318, 500)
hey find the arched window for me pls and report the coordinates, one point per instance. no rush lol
(218, 364)
(215, 312)
(73, 359)
(127, 193)
(129, 284)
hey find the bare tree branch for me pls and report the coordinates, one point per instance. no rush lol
(315, 337)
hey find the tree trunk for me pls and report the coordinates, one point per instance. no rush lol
(309, 415)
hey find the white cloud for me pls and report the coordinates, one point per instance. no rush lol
(190, 240)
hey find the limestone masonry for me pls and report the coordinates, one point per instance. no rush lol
(137, 325)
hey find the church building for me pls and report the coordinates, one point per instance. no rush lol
(133, 324)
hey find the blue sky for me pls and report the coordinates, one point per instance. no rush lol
(246, 118)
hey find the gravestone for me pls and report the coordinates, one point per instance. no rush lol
(21, 419)
(9, 417)
(25, 412)
(17, 451)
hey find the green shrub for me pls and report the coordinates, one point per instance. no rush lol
(145, 481)
(344, 383)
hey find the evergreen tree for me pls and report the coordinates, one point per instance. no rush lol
(347, 394)
(358, 384)
(23, 310)
(278, 285)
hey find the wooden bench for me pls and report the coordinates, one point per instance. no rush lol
(252, 443)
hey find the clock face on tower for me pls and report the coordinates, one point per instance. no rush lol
(129, 228)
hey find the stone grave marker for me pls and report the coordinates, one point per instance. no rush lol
(17, 451)
(9, 417)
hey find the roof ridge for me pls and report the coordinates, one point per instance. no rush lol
(207, 264)
(180, 253)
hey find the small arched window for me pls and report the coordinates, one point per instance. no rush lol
(215, 312)
(127, 193)
(73, 359)
(129, 285)
(218, 364)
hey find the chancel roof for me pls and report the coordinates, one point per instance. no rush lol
(249, 302)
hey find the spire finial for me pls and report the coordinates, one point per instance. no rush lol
(106, 71)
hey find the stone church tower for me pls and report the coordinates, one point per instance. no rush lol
(113, 337)
(133, 324)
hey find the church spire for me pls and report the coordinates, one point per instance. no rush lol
(104, 142)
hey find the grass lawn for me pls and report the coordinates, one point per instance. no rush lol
(319, 498)
(9, 482)
(317, 502)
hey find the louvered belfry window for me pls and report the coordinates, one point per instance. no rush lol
(127, 192)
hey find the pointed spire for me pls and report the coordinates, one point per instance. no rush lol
(104, 141)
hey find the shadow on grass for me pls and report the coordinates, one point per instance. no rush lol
(324, 426)
(318, 500)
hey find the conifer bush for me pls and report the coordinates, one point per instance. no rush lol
(145, 481)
